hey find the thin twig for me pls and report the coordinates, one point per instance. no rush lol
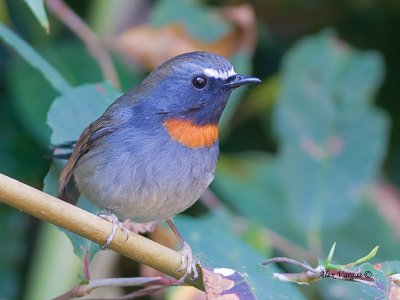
(132, 281)
(292, 262)
(86, 288)
(79, 27)
(136, 294)
(325, 270)
(92, 227)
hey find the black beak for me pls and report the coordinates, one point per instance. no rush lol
(239, 80)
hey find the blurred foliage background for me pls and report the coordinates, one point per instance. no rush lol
(308, 157)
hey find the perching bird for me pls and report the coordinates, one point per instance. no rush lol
(154, 151)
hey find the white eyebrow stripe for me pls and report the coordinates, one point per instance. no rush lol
(219, 74)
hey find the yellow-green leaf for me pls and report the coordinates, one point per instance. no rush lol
(37, 7)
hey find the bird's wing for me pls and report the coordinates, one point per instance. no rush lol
(67, 189)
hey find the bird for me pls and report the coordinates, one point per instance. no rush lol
(154, 150)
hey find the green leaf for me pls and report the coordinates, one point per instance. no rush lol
(32, 57)
(32, 102)
(328, 265)
(74, 110)
(363, 259)
(250, 182)
(328, 260)
(220, 247)
(68, 116)
(37, 7)
(332, 138)
(355, 240)
(199, 20)
(381, 282)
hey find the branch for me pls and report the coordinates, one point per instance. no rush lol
(326, 269)
(92, 227)
(79, 27)
(83, 289)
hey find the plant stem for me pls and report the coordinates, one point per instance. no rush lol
(80, 28)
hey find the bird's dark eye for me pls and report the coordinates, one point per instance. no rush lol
(199, 82)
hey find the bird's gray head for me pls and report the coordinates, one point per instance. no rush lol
(193, 86)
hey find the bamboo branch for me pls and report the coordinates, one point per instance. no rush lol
(92, 227)
(79, 27)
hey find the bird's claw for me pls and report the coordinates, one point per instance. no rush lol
(116, 224)
(188, 263)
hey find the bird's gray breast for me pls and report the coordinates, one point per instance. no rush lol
(145, 176)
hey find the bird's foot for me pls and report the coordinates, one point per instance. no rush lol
(188, 263)
(116, 224)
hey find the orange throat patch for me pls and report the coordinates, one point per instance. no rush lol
(191, 135)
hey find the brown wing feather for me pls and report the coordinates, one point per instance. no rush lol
(67, 189)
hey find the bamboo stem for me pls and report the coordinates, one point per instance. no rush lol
(92, 227)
